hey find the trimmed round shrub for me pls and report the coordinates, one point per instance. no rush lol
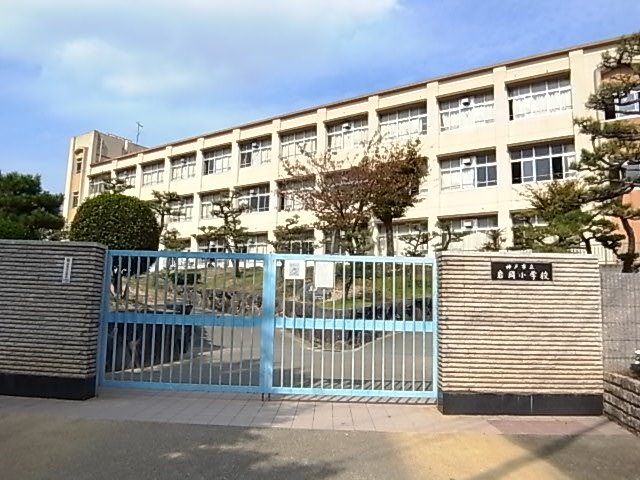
(118, 221)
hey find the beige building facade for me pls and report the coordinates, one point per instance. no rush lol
(488, 133)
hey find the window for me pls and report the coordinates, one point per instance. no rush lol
(255, 198)
(255, 153)
(626, 106)
(399, 231)
(182, 210)
(474, 224)
(216, 245)
(539, 98)
(128, 176)
(289, 195)
(541, 163)
(256, 244)
(348, 134)
(183, 167)
(403, 123)
(217, 161)
(298, 143)
(526, 218)
(303, 243)
(75, 199)
(153, 174)
(465, 112)
(473, 171)
(97, 184)
(79, 162)
(207, 201)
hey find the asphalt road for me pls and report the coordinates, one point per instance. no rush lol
(52, 448)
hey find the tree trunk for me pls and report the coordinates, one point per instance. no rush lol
(388, 231)
(587, 245)
(629, 257)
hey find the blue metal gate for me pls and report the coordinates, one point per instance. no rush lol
(277, 323)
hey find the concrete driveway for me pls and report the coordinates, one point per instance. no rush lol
(169, 435)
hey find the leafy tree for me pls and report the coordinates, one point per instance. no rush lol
(396, 171)
(118, 221)
(610, 168)
(382, 182)
(230, 232)
(340, 197)
(568, 222)
(116, 185)
(288, 233)
(495, 241)
(162, 205)
(26, 211)
(171, 240)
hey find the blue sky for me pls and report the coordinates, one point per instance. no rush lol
(185, 67)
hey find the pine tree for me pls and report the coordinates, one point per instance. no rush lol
(610, 168)
(26, 211)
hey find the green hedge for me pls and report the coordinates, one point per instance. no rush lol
(118, 221)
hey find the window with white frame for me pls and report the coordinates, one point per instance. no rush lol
(539, 98)
(256, 243)
(474, 224)
(207, 201)
(348, 134)
(527, 218)
(128, 176)
(217, 245)
(183, 167)
(405, 123)
(217, 161)
(290, 195)
(255, 198)
(470, 171)
(627, 106)
(303, 243)
(467, 111)
(299, 143)
(400, 232)
(97, 184)
(182, 210)
(153, 173)
(75, 199)
(256, 152)
(542, 162)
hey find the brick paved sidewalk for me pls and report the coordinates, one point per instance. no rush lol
(205, 408)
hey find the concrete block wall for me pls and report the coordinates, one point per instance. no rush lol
(622, 400)
(621, 317)
(49, 328)
(519, 347)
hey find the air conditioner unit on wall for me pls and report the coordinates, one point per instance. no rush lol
(465, 101)
(346, 126)
(466, 160)
(468, 223)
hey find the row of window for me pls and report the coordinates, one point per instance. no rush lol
(305, 242)
(545, 96)
(532, 164)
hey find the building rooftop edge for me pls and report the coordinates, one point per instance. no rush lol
(471, 71)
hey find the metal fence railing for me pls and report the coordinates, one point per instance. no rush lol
(269, 323)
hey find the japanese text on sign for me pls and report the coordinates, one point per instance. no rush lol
(522, 270)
